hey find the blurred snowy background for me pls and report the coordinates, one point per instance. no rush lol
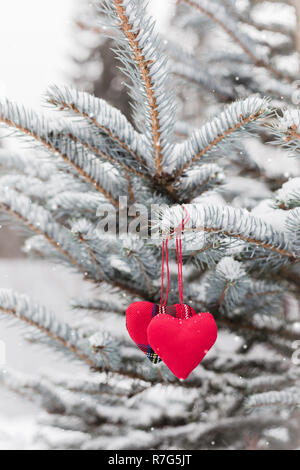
(37, 41)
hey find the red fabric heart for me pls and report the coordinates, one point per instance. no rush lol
(182, 344)
(139, 316)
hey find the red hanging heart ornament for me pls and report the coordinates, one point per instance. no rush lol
(182, 343)
(175, 334)
(138, 318)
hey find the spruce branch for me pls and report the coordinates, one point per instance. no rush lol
(26, 165)
(101, 128)
(39, 221)
(139, 50)
(238, 118)
(100, 117)
(43, 191)
(143, 263)
(98, 306)
(289, 397)
(200, 179)
(286, 130)
(99, 251)
(264, 297)
(218, 15)
(255, 328)
(31, 125)
(21, 307)
(228, 222)
(293, 226)
(288, 197)
(266, 382)
(78, 138)
(228, 285)
(187, 68)
(27, 185)
(71, 203)
(95, 29)
(245, 17)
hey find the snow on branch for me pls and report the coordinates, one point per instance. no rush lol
(36, 128)
(96, 145)
(186, 65)
(228, 284)
(203, 78)
(101, 118)
(219, 15)
(72, 204)
(143, 262)
(99, 351)
(287, 130)
(228, 222)
(27, 185)
(236, 120)
(293, 226)
(26, 164)
(263, 297)
(114, 265)
(139, 50)
(56, 399)
(200, 179)
(39, 220)
(289, 397)
(43, 191)
(98, 306)
(266, 382)
(288, 197)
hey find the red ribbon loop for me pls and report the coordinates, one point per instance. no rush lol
(177, 231)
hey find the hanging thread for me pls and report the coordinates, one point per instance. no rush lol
(178, 231)
(165, 250)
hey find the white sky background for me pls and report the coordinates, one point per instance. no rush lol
(36, 45)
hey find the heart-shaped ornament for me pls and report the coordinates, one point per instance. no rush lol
(140, 314)
(182, 343)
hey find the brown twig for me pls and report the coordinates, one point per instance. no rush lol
(117, 284)
(107, 157)
(72, 107)
(217, 140)
(65, 157)
(143, 66)
(95, 29)
(38, 231)
(292, 133)
(159, 181)
(51, 335)
(250, 240)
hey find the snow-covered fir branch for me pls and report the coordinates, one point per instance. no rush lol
(287, 130)
(140, 53)
(236, 120)
(99, 351)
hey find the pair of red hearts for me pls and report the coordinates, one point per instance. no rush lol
(175, 334)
